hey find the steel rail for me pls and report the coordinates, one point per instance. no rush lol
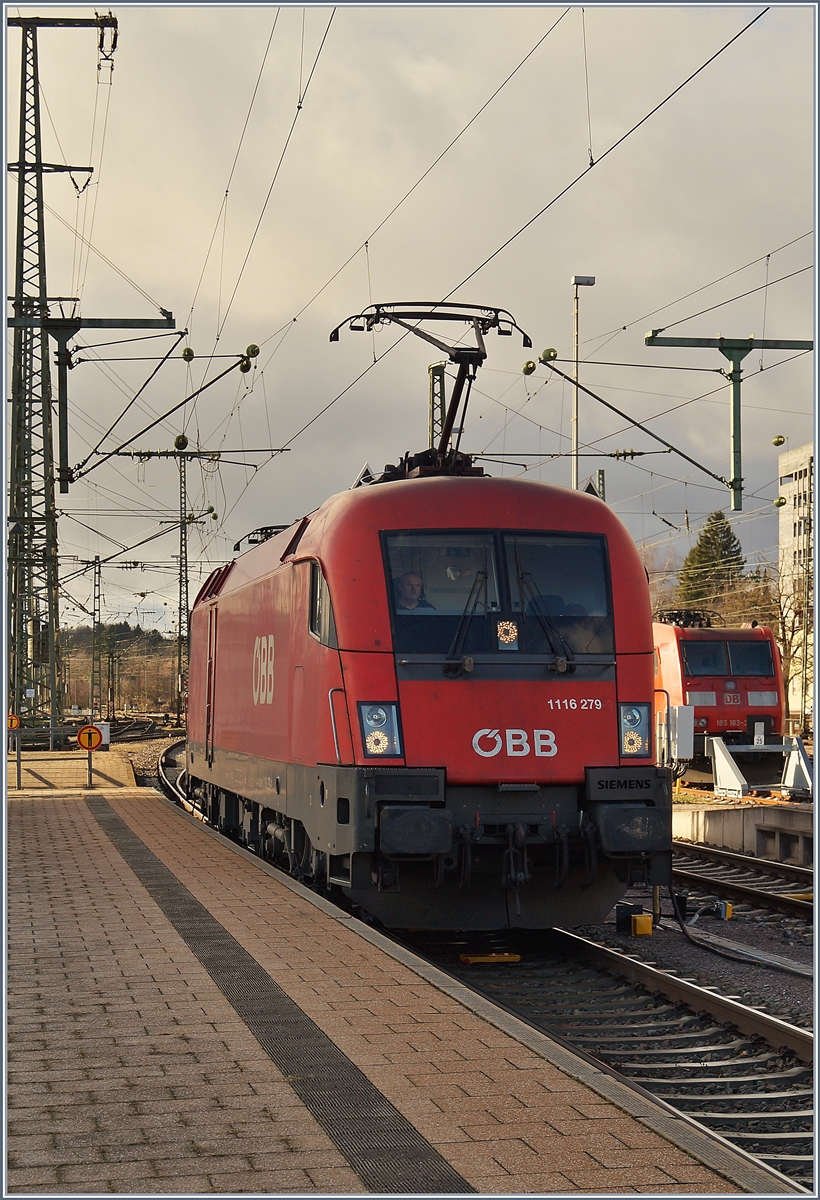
(748, 1020)
(776, 900)
(804, 874)
(170, 786)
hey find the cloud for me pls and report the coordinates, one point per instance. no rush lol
(720, 176)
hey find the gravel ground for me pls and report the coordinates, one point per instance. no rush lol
(788, 996)
(145, 755)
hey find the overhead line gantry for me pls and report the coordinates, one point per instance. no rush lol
(735, 349)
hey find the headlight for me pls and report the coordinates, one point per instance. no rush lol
(635, 738)
(380, 730)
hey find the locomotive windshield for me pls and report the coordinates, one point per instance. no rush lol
(727, 658)
(704, 658)
(490, 592)
(751, 658)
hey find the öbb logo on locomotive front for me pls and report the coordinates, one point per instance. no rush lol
(517, 743)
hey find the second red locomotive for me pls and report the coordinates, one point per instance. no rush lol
(730, 676)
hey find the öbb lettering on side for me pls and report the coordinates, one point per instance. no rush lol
(263, 670)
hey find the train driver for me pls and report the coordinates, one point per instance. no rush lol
(409, 590)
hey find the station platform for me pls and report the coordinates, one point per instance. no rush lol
(185, 1019)
(60, 769)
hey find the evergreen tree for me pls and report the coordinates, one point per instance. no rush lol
(714, 565)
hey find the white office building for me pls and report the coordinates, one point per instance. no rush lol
(796, 566)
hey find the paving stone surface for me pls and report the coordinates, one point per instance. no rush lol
(61, 770)
(130, 1072)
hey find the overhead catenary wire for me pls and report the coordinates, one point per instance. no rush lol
(765, 305)
(278, 168)
(606, 153)
(108, 262)
(233, 164)
(322, 411)
(421, 177)
(639, 425)
(546, 207)
(597, 362)
(714, 391)
(610, 333)
(549, 205)
(158, 421)
(299, 106)
(731, 300)
(261, 376)
(666, 412)
(125, 550)
(617, 433)
(180, 334)
(93, 194)
(586, 81)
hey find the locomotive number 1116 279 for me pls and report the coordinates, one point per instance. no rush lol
(587, 703)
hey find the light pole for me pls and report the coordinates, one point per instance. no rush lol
(577, 281)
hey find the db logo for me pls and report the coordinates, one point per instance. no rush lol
(263, 670)
(517, 742)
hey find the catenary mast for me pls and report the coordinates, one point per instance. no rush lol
(35, 670)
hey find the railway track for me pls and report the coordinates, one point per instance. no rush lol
(724, 874)
(737, 1072)
(171, 775)
(742, 1074)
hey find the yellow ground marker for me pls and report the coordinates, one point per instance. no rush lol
(489, 958)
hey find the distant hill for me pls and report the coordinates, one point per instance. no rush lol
(138, 665)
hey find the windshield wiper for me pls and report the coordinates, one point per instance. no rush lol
(452, 663)
(560, 647)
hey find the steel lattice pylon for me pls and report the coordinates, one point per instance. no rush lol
(35, 678)
(35, 669)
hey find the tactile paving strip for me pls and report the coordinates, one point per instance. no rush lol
(383, 1148)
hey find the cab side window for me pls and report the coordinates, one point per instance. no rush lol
(321, 622)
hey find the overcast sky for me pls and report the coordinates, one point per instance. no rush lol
(244, 239)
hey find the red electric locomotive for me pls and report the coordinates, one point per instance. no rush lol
(731, 676)
(434, 695)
